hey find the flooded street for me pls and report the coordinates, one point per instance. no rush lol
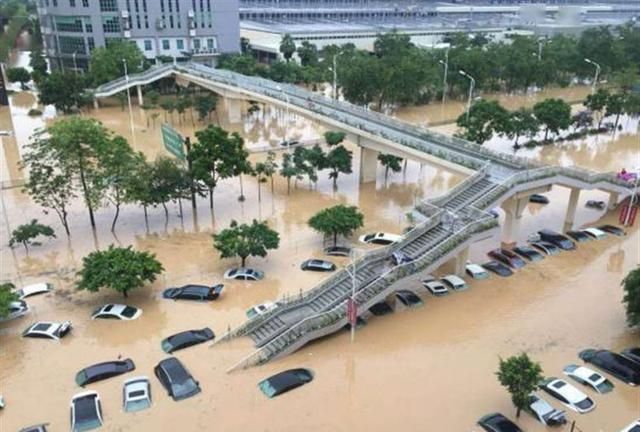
(424, 369)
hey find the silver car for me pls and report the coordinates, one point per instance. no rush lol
(544, 412)
(136, 394)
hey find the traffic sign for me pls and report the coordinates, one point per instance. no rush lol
(173, 141)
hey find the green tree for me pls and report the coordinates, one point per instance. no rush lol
(38, 63)
(333, 138)
(359, 77)
(390, 162)
(242, 63)
(205, 104)
(169, 182)
(597, 102)
(107, 63)
(288, 170)
(270, 166)
(582, 120)
(182, 105)
(287, 47)
(140, 187)
(168, 106)
(308, 161)
(632, 104)
(520, 375)
(337, 220)
(338, 160)
(554, 114)
(244, 240)
(308, 54)
(260, 175)
(521, 122)
(631, 299)
(26, 233)
(64, 90)
(615, 106)
(484, 120)
(7, 296)
(19, 74)
(119, 269)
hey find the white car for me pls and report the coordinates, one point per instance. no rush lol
(454, 282)
(435, 287)
(589, 377)
(136, 394)
(596, 233)
(34, 289)
(380, 238)
(261, 309)
(570, 396)
(86, 412)
(633, 427)
(476, 271)
(544, 412)
(48, 330)
(16, 310)
(243, 273)
(117, 311)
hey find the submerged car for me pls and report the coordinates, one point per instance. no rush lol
(496, 422)
(633, 427)
(380, 238)
(507, 257)
(176, 379)
(289, 143)
(529, 253)
(42, 427)
(546, 247)
(579, 236)
(243, 273)
(594, 233)
(102, 371)
(381, 308)
(595, 204)
(612, 229)
(589, 377)
(454, 282)
(318, 265)
(86, 412)
(34, 289)
(261, 309)
(476, 271)
(632, 353)
(544, 412)
(435, 287)
(186, 339)
(498, 268)
(570, 396)
(538, 199)
(342, 251)
(624, 369)
(400, 258)
(16, 310)
(193, 292)
(117, 311)
(557, 239)
(48, 330)
(408, 298)
(285, 381)
(136, 394)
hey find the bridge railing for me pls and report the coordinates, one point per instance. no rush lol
(134, 79)
(468, 182)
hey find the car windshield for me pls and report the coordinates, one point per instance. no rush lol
(137, 404)
(584, 404)
(505, 425)
(267, 388)
(184, 388)
(605, 386)
(129, 311)
(41, 327)
(86, 415)
(369, 237)
(233, 272)
(81, 377)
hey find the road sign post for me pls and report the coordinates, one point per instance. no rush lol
(173, 141)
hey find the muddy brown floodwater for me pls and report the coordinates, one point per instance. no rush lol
(430, 368)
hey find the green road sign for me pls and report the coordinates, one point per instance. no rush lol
(173, 141)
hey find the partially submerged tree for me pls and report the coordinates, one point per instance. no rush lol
(554, 114)
(119, 269)
(521, 122)
(631, 299)
(107, 63)
(484, 120)
(337, 220)
(597, 102)
(338, 160)
(615, 107)
(520, 375)
(288, 170)
(390, 162)
(19, 74)
(27, 233)
(244, 240)
(64, 90)
(205, 104)
(7, 296)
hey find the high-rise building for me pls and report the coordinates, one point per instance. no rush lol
(181, 29)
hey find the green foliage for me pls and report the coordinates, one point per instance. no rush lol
(7, 296)
(615, 106)
(107, 63)
(287, 47)
(597, 102)
(288, 169)
(520, 375)
(554, 114)
(246, 240)
(390, 162)
(519, 123)
(308, 161)
(485, 118)
(19, 74)
(242, 63)
(119, 269)
(631, 299)
(632, 104)
(18, 18)
(64, 90)
(205, 104)
(338, 160)
(333, 138)
(34, 112)
(337, 220)
(38, 63)
(308, 54)
(26, 233)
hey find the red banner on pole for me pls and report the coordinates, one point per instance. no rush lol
(628, 214)
(352, 311)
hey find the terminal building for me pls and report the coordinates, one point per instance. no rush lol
(182, 29)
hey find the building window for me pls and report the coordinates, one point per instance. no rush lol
(72, 3)
(196, 44)
(111, 24)
(147, 45)
(146, 21)
(88, 27)
(72, 24)
(210, 44)
(91, 43)
(171, 21)
(165, 44)
(55, 3)
(138, 21)
(85, 3)
(180, 44)
(70, 45)
(108, 5)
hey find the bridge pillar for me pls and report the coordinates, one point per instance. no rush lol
(140, 100)
(520, 205)
(510, 227)
(234, 109)
(368, 165)
(391, 300)
(571, 209)
(461, 261)
(613, 200)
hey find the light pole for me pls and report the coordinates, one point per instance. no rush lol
(353, 254)
(595, 77)
(75, 65)
(471, 86)
(334, 69)
(286, 98)
(126, 77)
(445, 63)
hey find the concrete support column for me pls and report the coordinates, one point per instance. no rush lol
(234, 110)
(571, 209)
(520, 205)
(140, 100)
(461, 261)
(368, 165)
(391, 300)
(510, 227)
(613, 200)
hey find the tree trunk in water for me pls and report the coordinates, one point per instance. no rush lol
(241, 197)
(146, 216)
(243, 260)
(62, 215)
(405, 166)
(335, 238)
(615, 127)
(166, 212)
(546, 132)
(518, 412)
(180, 207)
(335, 180)
(288, 185)
(272, 187)
(85, 189)
(259, 194)
(386, 173)
(211, 198)
(125, 294)
(26, 247)
(115, 218)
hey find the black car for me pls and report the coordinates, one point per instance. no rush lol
(176, 379)
(529, 253)
(498, 268)
(621, 367)
(186, 339)
(318, 265)
(496, 422)
(42, 427)
(538, 199)
(343, 251)
(579, 236)
(101, 371)
(557, 239)
(594, 204)
(381, 308)
(284, 381)
(632, 353)
(193, 292)
(408, 298)
(546, 247)
(507, 257)
(612, 229)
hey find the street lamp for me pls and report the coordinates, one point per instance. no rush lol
(595, 78)
(445, 63)
(334, 69)
(286, 98)
(75, 65)
(126, 77)
(471, 86)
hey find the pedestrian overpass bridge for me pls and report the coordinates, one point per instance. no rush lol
(448, 224)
